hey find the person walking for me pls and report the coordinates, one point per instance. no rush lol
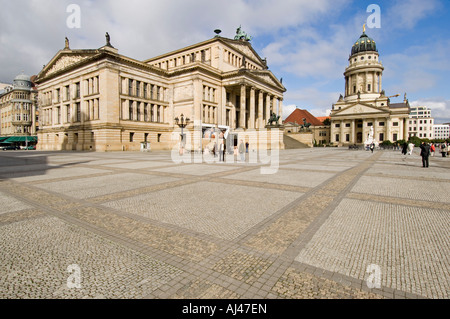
(425, 153)
(443, 150)
(432, 149)
(405, 148)
(372, 146)
(222, 151)
(410, 148)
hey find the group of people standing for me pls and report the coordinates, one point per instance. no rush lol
(427, 150)
(221, 150)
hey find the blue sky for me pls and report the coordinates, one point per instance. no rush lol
(307, 43)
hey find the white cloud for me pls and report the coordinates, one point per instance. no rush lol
(32, 31)
(407, 13)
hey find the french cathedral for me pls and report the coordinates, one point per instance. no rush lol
(365, 115)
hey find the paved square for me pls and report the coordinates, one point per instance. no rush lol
(139, 225)
(224, 211)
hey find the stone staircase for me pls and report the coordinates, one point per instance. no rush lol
(291, 143)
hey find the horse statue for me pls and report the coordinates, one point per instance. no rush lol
(305, 125)
(273, 119)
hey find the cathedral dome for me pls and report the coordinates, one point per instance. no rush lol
(22, 81)
(364, 44)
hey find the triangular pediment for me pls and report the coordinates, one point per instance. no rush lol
(64, 59)
(245, 49)
(359, 108)
(268, 77)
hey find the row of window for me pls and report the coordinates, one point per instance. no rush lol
(209, 94)
(209, 114)
(139, 111)
(143, 90)
(146, 135)
(202, 55)
(237, 60)
(360, 125)
(421, 122)
(73, 91)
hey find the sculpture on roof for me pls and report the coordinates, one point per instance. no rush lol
(108, 39)
(241, 35)
(67, 44)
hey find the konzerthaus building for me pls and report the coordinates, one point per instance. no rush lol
(365, 113)
(100, 100)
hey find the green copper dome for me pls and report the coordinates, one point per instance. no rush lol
(364, 44)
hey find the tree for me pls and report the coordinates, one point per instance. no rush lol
(327, 122)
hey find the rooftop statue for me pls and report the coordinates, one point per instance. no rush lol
(108, 39)
(241, 35)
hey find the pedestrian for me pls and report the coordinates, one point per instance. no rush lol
(448, 149)
(246, 147)
(425, 153)
(223, 148)
(405, 148)
(372, 146)
(443, 150)
(410, 148)
(242, 151)
(432, 149)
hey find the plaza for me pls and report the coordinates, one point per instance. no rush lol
(138, 225)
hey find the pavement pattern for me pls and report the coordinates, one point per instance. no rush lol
(329, 223)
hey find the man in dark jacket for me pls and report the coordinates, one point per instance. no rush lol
(425, 153)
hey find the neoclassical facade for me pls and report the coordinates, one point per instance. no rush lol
(365, 109)
(100, 100)
(18, 108)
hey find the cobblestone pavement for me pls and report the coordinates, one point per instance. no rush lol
(330, 223)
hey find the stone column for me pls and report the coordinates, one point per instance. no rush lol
(388, 129)
(198, 97)
(353, 140)
(242, 118)
(260, 110)
(267, 108)
(252, 108)
(375, 127)
(280, 111)
(341, 134)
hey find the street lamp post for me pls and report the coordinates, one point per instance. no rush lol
(182, 122)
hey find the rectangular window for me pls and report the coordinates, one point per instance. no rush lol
(68, 113)
(77, 90)
(381, 139)
(131, 137)
(159, 138)
(381, 123)
(58, 115)
(130, 110)
(138, 88)
(395, 137)
(337, 125)
(347, 137)
(78, 110)
(130, 87)
(347, 125)
(337, 137)
(395, 124)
